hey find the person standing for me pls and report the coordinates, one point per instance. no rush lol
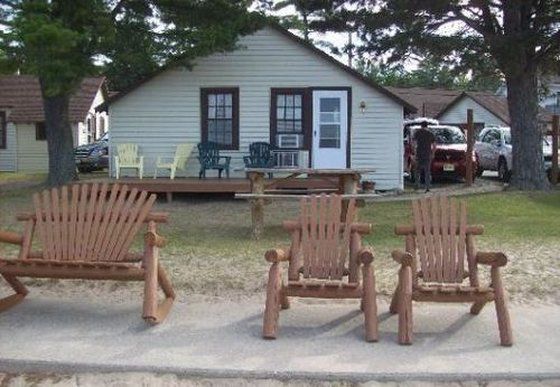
(425, 146)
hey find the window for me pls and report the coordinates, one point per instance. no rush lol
(40, 131)
(101, 126)
(89, 130)
(491, 136)
(288, 125)
(220, 116)
(330, 123)
(3, 130)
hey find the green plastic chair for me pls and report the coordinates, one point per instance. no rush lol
(209, 158)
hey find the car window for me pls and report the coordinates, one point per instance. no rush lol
(491, 136)
(449, 135)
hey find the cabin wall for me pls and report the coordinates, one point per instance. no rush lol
(8, 156)
(458, 114)
(166, 110)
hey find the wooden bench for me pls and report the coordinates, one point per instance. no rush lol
(85, 232)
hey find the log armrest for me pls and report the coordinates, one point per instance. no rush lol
(496, 259)
(153, 239)
(365, 255)
(277, 255)
(402, 257)
(11, 237)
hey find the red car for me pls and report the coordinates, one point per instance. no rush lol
(450, 158)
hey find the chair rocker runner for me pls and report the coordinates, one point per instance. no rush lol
(127, 157)
(85, 232)
(433, 265)
(179, 161)
(324, 250)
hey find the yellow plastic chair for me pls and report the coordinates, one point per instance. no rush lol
(179, 161)
(127, 157)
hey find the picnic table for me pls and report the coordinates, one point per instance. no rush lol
(348, 181)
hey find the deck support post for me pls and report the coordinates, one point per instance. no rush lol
(348, 184)
(555, 130)
(470, 146)
(257, 205)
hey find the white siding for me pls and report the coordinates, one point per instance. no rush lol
(458, 114)
(165, 111)
(32, 154)
(8, 156)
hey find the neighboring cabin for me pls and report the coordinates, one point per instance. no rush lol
(450, 107)
(550, 101)
(488, 110)
(275, 88)
(23, 146)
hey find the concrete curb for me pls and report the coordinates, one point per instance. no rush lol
(37, 366)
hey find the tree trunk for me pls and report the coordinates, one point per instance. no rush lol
(526, 136)
(60, 143)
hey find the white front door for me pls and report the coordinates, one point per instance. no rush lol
(330, 128)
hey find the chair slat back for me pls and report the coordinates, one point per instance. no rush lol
(261, 154)
(90, 222)
(325, 237)
(128, 154)
(440, 231)
(209, 153)
(182, 154)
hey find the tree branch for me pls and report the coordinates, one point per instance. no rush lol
(118, 8)
(548, 49)
(8, 3)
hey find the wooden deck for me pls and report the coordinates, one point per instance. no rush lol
(229, 186)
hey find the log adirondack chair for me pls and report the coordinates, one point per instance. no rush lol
(179, 161)
(325, 259)
(127, 157)
(85, 232)
(439, 256)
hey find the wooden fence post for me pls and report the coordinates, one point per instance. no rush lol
(470, 146)
(555, 130)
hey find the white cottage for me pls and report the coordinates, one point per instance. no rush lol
(23, 145)
(275, 88)
(488, 110)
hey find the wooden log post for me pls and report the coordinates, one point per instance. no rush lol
(470, 148)
(555, 130)
(405, 306)
(504, 323)
(257, 204)
(348, 185)
(151, 276)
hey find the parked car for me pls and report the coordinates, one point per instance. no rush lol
(450, 158)
(93, 157)
(493, 150)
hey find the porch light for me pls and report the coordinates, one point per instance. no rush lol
(362, 106)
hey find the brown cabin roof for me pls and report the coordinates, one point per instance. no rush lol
(495, 104)
(429, 102)
(22, 95)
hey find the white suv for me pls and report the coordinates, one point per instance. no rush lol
(493, 151)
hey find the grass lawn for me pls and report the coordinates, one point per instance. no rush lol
(210, 251)
(13, 177)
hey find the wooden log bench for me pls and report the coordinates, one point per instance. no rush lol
(85, 232)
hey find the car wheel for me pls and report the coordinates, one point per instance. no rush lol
(479, 171)
(503, 172)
